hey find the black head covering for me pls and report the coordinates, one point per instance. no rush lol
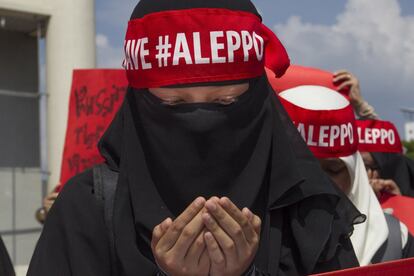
(146, 7)
(248, 151)
(397, 167)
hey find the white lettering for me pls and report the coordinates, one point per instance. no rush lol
(233, 44)
(344, 134)
(259, 49)
(310, 137)
(247, 43)
(144, 52)
(368, 135)
(216, 46)
(181, 43)
(323, 134)
(198, 59)
(335, 131)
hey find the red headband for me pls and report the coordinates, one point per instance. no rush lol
(328, 133)
(378, 136)
(200, 45)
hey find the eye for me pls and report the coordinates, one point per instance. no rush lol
(172, 102)
(226, 100)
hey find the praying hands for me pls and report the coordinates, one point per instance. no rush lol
(210, 237)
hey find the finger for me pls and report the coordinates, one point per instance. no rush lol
(345, 84)
(254, 220)
(54, 195)
(228, 223)
(341, 72)
(257, 224)
(156, 236)
(369, 172)
(392, 187)
(375, 174)
(197, 248)
(166, 224)
(342, 77)
(188, 236)
(174, 231)
(204, 262)
(226, 243)
(214, 252)
(248, 214)
(238, 216)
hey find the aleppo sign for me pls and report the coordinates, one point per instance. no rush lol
(399, 268)
(95, 97)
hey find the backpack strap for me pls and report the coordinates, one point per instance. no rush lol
(105, 182)
(392, 248)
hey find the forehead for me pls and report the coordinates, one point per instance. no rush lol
(235, 89)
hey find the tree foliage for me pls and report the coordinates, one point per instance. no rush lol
(410, 149)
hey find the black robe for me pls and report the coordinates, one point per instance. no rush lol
(306, 219)
(6, 266)
(397, 167)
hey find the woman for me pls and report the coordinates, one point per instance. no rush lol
(334, 141)
(200, 121)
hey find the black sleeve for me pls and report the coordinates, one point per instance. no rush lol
(408, 251)
(74, 239)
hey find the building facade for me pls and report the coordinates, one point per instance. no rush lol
(41, 42)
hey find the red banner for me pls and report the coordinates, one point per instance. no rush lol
(394, 268)
(95, 97)
(328, 133)
(378, 136)
(299, 75)
(401, 207)
(200, 45)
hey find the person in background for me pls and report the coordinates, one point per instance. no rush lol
(326, 121)
(388, 172)
(6, 266)
(48, 201)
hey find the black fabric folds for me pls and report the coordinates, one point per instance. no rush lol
(248, 151)
(398, 168)
(6, 266)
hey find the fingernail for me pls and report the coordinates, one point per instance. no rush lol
(199, 201)
(224, 201)
(211, 205)
(207, 218)
(208, 235)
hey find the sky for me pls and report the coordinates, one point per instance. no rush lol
(374, 39)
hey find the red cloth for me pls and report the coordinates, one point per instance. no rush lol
(328, 133)
(95, 97)
(402, 207)
(395, 268)
(200, 45)
(299, 75)
(378, 136)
